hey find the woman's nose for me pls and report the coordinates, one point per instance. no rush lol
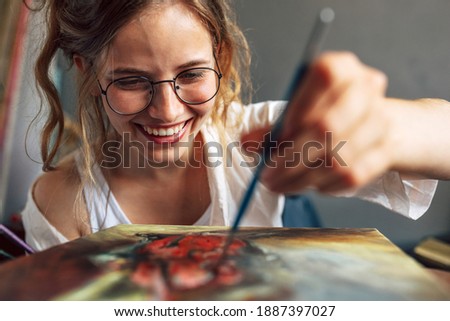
(165, 104)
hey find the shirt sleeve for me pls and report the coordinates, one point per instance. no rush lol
(256, 115)
(410, 198)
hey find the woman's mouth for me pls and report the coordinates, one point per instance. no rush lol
(161, 135)
(170, 131)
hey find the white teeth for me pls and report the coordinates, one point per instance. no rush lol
(163, 131)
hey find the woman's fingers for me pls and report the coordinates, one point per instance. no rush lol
(332, 75)
(335, 125)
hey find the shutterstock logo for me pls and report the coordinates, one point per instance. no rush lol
(311, 154)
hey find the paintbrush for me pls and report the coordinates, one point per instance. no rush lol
(13, 237)
(316, 38)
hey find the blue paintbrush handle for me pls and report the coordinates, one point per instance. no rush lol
(326, 16)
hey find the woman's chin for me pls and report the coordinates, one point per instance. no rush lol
(166, 160)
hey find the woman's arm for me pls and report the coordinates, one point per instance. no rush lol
(346, 132)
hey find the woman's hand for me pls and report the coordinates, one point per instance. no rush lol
(336, 134)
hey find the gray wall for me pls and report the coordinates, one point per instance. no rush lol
(407, 39)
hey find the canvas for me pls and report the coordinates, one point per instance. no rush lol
(143, 262)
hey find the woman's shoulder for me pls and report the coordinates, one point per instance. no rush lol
(64, 172)
(55, 193)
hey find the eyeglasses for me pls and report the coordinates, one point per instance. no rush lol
(131, 95)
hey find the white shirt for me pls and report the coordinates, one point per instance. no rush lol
(228, 178)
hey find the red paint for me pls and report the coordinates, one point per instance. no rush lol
(187, 262)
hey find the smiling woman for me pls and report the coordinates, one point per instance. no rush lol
(156, 75)
(159, 83)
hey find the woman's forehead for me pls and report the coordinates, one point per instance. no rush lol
(161, 36)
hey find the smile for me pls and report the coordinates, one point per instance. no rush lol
(168, 131)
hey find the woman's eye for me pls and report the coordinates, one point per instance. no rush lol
(132, 84)
(191, 76)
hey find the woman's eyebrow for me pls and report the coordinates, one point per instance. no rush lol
(195, 63)
(125, 72)
(129, 70)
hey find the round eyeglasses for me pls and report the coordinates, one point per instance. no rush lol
(132, 94)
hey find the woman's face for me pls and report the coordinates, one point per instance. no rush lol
(160, 43)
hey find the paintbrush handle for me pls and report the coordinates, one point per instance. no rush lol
(15, 238)
(325, 17)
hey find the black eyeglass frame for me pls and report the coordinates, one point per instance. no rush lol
(153, 83)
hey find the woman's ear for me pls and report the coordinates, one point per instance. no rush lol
(83, 66)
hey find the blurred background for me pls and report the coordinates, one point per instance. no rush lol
(407, 39)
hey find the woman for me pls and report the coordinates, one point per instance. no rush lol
(160, 118)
